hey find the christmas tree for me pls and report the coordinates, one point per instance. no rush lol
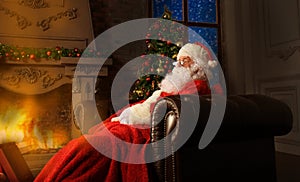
(162, 47)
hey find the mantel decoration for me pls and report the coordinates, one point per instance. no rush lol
(22, 21)
(35, 4)
(15, 53)
(70, 14)
(44, 24)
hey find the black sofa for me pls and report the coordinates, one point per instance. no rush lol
(242, 150)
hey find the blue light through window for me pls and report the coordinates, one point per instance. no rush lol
(202, 11)
(210, 35)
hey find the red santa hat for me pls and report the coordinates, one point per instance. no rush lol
(202, 56)
(199, 53)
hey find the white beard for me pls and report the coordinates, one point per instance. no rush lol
(176, 80)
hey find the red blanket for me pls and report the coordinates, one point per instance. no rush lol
(80, 161)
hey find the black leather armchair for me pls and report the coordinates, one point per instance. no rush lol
(242, 150)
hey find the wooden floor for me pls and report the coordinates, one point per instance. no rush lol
(288, 167)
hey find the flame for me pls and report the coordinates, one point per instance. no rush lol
(20, 126)
(11, 129)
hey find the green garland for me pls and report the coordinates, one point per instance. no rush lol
(14, 53)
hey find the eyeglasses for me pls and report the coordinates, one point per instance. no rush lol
(184, 61)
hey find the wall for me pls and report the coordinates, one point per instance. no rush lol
(106, 14)
(278, 67)
(262, 41)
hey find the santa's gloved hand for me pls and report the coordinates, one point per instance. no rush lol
(130, 117)
(124, 116)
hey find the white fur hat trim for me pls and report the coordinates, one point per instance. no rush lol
(198, 53)
(212, 63)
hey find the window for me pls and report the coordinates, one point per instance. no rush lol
(202, 16)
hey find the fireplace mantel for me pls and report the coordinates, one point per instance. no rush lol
(38, 77)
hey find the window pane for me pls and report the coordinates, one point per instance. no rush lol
(210, 35)
(175, 6)
(202, 11)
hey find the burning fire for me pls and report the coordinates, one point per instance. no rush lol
(11, 129)
(18, 125)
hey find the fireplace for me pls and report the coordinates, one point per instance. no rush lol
(37, 93)
(39, 116)
(37, 123)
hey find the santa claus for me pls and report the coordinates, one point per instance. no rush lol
(194, 63)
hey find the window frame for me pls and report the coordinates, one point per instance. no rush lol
(185, 22)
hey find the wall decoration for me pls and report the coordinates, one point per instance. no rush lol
(282, 28)
(49, 81)
(35, 4)
(70, 14)
(22, 22)
(286, 53)
(30, 75)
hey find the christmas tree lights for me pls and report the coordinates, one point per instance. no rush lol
(162, 47)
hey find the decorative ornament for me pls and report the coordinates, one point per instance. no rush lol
(167, 13)
(150, 46)
(45, 23)
(32, 56)
(35, 4)
(49, 53)
(22, 22)
(179, 44)
(147, 94)
(160, 70)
